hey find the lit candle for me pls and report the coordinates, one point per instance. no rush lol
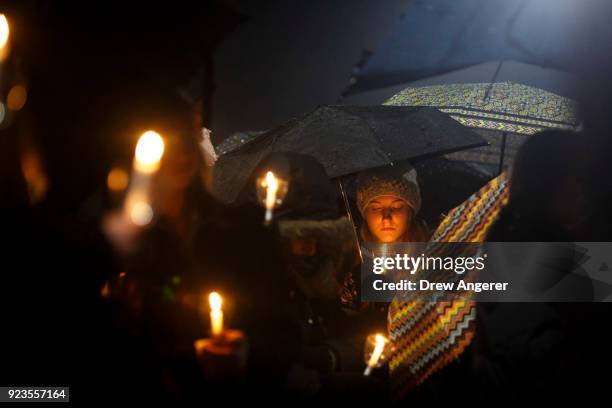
(216, 314)
(271, 189)
(223, 355)
(4, 37)
(376, 354)
(149, 151)
(147, 159)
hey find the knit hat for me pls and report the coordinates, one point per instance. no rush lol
(399, 181)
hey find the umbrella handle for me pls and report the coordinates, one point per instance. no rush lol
(350, 217)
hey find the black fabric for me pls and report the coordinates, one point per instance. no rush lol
(346, 140)
(438, 36)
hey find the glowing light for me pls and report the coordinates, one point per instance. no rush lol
(141, 213)
(4, 37)
(4, 31)
(216, 314)
(379, 345)
(34, 174)
(105, 291)
(117, 179)
(271, 190)
(16, 97)
(149, 151)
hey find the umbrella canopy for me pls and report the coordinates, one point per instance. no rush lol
(503, 112)
(558, 82)
(346, 140)
(439, 36)
(430, 334)
(236, 140)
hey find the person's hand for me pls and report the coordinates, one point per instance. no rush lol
(208, 151)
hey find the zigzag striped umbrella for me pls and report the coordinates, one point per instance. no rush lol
(428, 335)
(503, 112)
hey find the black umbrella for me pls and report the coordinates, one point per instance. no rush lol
(348, 139)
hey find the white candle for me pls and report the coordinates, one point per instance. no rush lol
(216, 314)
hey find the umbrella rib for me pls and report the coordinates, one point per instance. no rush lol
(488, 91)
(418, 159)
(512, 115)
(517, 123)
(380, 141)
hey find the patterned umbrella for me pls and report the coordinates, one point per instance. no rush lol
(428, 335)
(502, 112)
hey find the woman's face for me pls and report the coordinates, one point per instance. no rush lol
(388, 218)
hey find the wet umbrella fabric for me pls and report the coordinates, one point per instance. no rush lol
(347, 140)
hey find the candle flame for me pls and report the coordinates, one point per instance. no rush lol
(271, 189)
(378, 349)
(216, 314)
(4, 31)
(214, 300)
(149, 151)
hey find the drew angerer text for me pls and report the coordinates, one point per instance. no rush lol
(425, 285)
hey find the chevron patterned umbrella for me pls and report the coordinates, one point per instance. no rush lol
(428, 335)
